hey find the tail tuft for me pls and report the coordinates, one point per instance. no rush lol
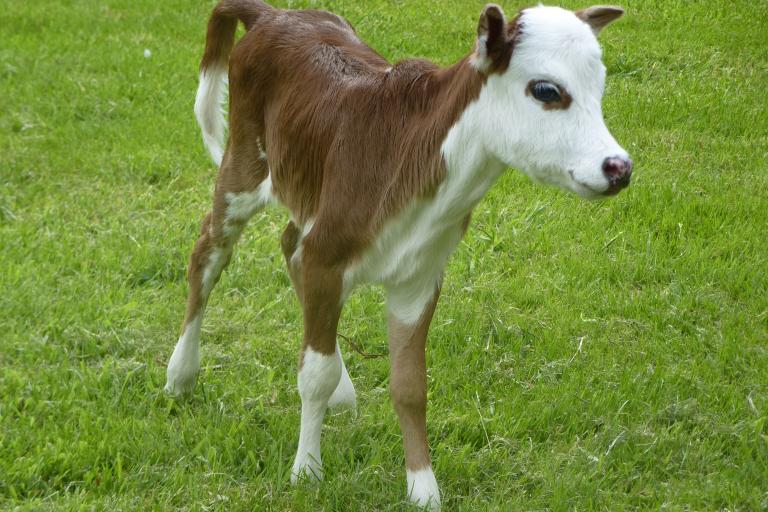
(209, 109)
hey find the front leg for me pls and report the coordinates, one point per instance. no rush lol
(408, 322)
(320, 365)
(343, 396)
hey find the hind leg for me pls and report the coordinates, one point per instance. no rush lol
(343, 396)
(241, 191)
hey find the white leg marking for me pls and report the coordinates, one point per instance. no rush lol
(318, 378)
(422, 488)
(185, 361)
(243, 206)
(343, 397)
(213, 270)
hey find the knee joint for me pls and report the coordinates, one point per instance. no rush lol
(319, 374)
(408, 395)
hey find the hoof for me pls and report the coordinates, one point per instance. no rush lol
(422, 489)
(180, 383)
(307, 471)
(177, 390)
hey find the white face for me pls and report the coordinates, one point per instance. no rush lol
(562, 142)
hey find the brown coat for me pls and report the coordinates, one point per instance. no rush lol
(350, 139)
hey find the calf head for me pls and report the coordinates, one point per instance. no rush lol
(542, 99)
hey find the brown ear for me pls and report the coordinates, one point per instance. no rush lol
(494, 46)
(598, 16)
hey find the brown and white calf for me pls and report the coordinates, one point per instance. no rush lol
(380, 166)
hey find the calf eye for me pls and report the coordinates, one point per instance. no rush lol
(546, 92)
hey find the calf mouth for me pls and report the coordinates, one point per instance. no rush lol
(614, 186)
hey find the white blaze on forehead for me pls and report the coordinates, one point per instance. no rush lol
(557, 45)
(553, 25)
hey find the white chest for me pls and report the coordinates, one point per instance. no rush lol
(414, 245)
(412, 249)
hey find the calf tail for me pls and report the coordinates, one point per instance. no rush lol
(212, 88)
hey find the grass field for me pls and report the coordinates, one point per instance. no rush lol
(584, 356)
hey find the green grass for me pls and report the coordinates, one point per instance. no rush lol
(584, 356)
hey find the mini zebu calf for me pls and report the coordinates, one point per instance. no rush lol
(380, 166)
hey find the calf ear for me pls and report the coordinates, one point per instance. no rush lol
(494, 46)
(598, 16)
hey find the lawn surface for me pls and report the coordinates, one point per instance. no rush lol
(584, 356)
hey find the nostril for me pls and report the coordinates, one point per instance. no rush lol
(617, 169)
